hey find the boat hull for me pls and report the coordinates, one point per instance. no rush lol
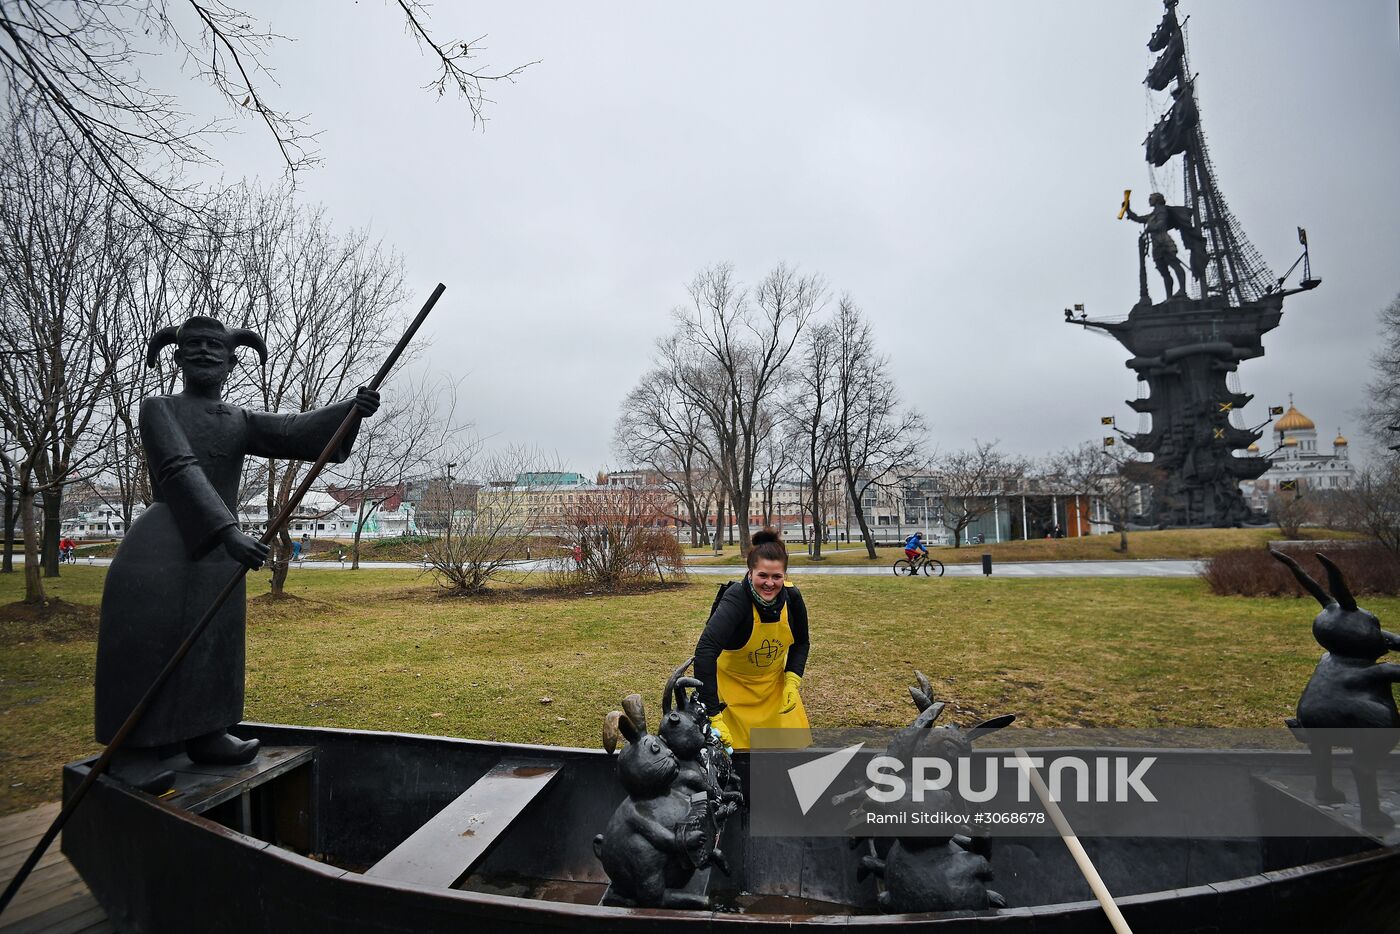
(289, 855)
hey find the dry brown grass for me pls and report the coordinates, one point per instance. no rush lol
(381, 650)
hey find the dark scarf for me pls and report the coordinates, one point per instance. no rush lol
(769, 611)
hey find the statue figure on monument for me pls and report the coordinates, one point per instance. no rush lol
(1158, 224)
(184, 548)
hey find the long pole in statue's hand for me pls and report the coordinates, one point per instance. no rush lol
(352, 419)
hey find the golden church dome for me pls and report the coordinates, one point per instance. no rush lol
(1293, 420)
(1290, 442)
(1339, 441)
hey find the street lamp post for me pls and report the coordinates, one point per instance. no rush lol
(450, 507)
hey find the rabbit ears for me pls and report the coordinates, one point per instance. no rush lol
(990, 726)
(676, 685)
(923, 694)
(930, 709)
(629, 723)
(1341, 594)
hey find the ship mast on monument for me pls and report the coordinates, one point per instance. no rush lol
(1185, 346)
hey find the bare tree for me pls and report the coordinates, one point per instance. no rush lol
(1291, 509)
(660, 429)
(968, 481)
(1114, 479)
(10, 519)
(777, 455)
(1383, 391)
(729, 352)
(712, 494)
(618, 537)
(873, 435)
(1372, 505)
(813, 403)
(483, 539)
(408, 438)
(79, 65)
(62, 269)
(322, 300)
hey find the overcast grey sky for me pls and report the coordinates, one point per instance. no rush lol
(955, 167)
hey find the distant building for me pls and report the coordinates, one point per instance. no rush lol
(1011, 508)
(1297, 457)
(387, 497)
(548, 478)
(322, 515)
(552, 501)
(319, 515)
(102, 522)
(434, 499)
(644, 479)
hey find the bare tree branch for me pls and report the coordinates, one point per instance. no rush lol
(730, 355)
(453, 57)
(661, 429)
(967, 482)
(79, 63)
(407, 440)
(64, 260)
(872, 436)
(1117, 481)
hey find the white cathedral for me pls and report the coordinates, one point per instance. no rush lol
(1296, 457)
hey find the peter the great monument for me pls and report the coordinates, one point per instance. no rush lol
(1184, 346)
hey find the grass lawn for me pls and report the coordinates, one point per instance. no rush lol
(382, 650)
(1168, 544)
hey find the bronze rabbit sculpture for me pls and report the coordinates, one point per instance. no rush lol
(654, 841)
(947, 872)
(1349, 691)
(704, 764)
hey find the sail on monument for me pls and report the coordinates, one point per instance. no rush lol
(1186, 346)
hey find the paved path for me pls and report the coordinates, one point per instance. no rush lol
(1025, 569)
(1145, 568)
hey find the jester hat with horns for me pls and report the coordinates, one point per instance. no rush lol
(209, 327)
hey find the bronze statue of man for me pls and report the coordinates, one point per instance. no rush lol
(180, 552)
(1159, 223)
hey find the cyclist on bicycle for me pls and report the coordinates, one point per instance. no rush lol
(914, 546)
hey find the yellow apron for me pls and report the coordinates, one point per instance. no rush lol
(750, 682)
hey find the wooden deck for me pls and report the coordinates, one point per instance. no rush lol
(53, 898)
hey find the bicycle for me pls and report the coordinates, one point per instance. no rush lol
(931, 567)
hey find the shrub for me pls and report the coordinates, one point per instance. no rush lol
(618, 538)
(1369, 568)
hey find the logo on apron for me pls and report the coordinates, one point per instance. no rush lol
(768, 651)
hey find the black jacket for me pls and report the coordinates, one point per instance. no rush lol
(730, 626)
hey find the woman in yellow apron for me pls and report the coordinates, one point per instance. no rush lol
(753, 651)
